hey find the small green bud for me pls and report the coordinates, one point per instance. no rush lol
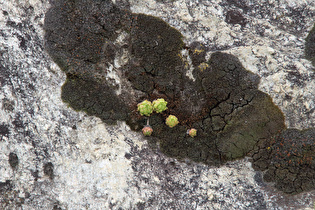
(145, 108)
(147, 130)
(159, 105)
(171, 121)
(192, 132)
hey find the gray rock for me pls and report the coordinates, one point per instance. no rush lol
(53, 157)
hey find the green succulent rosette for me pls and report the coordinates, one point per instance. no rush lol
(147, 130)
(145, 108)
(192, 132)
(171, 121)
(159, 105)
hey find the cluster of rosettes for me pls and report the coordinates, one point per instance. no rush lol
(146, 108)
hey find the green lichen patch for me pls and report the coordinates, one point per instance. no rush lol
(288, 160)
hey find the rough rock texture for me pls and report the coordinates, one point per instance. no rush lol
(53, 157)
(310, 46)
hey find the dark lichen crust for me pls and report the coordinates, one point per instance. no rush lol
(288, 160)
(87, 39)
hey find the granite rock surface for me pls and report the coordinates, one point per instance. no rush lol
(52, 157)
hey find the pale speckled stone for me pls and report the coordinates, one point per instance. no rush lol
(100, 164)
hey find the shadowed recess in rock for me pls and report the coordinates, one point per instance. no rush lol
(115, 59)
(13, 160)
(310, 46)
